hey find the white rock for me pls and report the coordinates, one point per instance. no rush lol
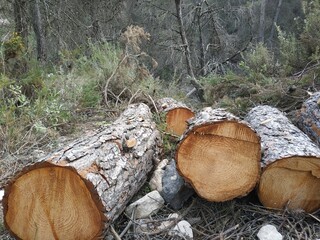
(145, 225)
(156, 179)
(1, 194)
(147, 205)
(269, 232)
(182, 229)
(172, 217)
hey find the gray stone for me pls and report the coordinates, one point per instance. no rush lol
(146, 206)
(155, 182)
(174, 189)
(269, 232)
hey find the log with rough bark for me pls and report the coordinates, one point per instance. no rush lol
(79, 190)
(290, 161)
(219, 155)
(176, 114)
(308, 118)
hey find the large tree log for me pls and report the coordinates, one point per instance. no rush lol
(176, 114)
(308, 118)
(290, 161)
(219, 155)
(82, 188)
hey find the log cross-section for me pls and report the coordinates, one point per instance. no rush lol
(290, 161)
(79, 190)
(219, 155)
(176, 115)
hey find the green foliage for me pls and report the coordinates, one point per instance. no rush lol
(24, 121)
(311, 32)
(292, 54)
(91, 95)
(13, 46)
(258, 63)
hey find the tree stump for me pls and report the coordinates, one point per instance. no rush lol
(290, 161)
(219, 155)
(176, 114)
(308, 118)
(77, 191)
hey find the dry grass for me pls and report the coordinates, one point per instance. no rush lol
(237, 219)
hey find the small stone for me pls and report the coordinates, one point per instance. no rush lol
(146, 206)
(1, 194)
(174, 189)
(269, 232)
(156, 179)
(182, 229)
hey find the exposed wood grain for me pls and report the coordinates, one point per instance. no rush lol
(290, 161)
(219, 155)
(177, 114)
(77, 191)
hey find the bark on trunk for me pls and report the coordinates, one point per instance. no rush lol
(219, 155)
(262, 20)
(291, 162)
(20, 19)
(275, 20)
(187, 52)
(79, 190)
(308, 118)
(176, 114)
(38, 30)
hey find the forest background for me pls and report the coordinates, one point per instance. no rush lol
(62, 62)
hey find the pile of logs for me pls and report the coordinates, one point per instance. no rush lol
(81, 189)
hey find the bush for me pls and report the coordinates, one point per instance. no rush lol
(259, 62)
(292, 53)
(91, 95)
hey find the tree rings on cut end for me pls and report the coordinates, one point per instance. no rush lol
(221, 160)
(52, 202)
(292, 183)
(176, 113)
(176, 120)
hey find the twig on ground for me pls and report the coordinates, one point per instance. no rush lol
(114, 233)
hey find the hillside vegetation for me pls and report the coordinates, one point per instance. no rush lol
(44, 91)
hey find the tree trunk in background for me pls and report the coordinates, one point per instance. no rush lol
(184, 39)
(77, 191)
(262, 20)
(202, 60)
(275, 20)
(219, 155)
(38, 30)
(290, 161)
(308, 118)
(187, 51)
(20, 19)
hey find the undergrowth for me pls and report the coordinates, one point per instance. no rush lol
(40, 102)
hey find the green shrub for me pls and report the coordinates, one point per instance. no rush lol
(292, 53)
(91, 95)
(259, 63)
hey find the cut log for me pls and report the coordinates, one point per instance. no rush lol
(308, 118)
(176, 114)
(79, 190)
(290, 161)
(219, 155)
